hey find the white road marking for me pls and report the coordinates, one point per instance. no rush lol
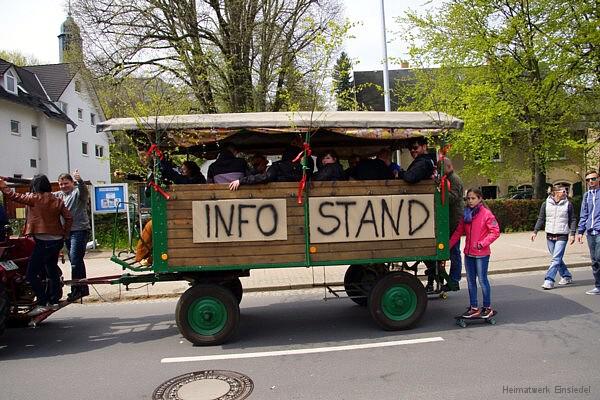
(301, 351)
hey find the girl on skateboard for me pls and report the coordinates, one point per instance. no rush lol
(480, 227)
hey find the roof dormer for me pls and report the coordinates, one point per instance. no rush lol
(10, 81)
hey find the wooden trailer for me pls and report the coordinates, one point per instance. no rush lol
(211, 236)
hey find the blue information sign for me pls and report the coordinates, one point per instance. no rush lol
(108, 197)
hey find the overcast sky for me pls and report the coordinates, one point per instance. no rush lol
(32, 27)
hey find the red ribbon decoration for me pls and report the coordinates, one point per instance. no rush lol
(302, 185)
(305, 148)
(160, 190)
(154, 149)
(443, 183)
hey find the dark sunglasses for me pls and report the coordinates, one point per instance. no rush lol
(591, 179)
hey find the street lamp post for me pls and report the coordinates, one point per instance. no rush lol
(386, 78)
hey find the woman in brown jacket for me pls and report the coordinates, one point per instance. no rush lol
(49, 223)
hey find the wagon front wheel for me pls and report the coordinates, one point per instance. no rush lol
(207, 314)
(398, 301)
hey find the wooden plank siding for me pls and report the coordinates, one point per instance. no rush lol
(183, 252)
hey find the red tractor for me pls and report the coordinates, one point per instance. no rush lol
(16, 295)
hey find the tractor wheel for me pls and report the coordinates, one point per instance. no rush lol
(398, 301)
(207, 314)
(4, 307)
(360, 279)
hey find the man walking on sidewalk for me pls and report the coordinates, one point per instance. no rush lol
(589, 222)
(558, 219)
(75, 195)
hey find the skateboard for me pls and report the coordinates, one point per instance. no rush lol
(35, 321)
(463, 321)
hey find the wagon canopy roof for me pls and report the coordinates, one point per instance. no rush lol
(271, 131)
(288, 120)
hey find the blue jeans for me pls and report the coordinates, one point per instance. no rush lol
(477, 269)
(76, 245)
(594, 246)
(43, 263)
(455, 262)
(557, 250)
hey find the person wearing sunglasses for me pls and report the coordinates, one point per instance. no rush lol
(589, 223)
(423, 165)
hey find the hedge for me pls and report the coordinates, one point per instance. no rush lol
(521, 215)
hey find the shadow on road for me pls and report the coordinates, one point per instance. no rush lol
(57, 337)
(290, 321)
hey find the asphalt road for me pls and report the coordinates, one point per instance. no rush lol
(117, 350)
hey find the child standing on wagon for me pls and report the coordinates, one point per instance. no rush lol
(480, 227)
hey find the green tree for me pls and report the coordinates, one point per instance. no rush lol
(505, 68)
(343, 84)
(234, 56)
(17, 58)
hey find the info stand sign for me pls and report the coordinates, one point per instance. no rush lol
(110, 198)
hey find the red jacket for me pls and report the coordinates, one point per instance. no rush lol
(480, 233)
(44, 212)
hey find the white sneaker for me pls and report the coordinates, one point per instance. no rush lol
(565, 281)
(547, 285)
(37, 310)
(593, 291)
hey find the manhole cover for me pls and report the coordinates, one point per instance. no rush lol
(206, 385)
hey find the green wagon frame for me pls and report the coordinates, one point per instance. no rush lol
(208, 312)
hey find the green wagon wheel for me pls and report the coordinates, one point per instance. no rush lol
(398, 301)
(207, 314)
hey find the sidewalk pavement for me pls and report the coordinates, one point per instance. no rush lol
(511, 253)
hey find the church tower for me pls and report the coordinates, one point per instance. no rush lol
(70, 46)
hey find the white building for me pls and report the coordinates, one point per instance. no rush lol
(48, 117)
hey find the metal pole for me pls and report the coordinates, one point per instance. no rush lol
(93, 202)
(386, 78)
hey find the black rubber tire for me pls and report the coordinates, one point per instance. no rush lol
(197, 292)
(4, 308)
(388, 282)
(235, 286)
(360, 279)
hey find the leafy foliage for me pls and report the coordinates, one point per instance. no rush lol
(343, 84)
(17, 58)
(516, 72)
(232, 56)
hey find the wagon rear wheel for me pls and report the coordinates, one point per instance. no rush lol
(207, 314)
(398, 301)
(360, 279)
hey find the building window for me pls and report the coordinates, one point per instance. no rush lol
(64, 106)
(15, 126)
(10, 82)
(80, 114)
(84, 148)
(77, 86)
(34, 132)
(33, 163)
(17, 176)
(99, 151)
(93, 118)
